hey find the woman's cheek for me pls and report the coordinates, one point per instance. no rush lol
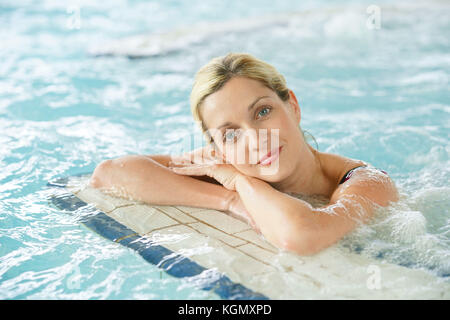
(235, 155)
(247, 170)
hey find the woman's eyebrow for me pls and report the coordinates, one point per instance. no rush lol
(248, 109)
(254, 102)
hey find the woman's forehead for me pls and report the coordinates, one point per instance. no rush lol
(232, 99)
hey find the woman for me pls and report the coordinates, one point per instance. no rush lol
(234, 95)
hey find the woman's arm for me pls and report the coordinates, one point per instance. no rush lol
(149, 180)
(294, 225)
(279, 216)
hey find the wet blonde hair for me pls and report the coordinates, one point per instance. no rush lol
(218, 71)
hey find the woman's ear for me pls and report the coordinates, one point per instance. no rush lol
(294, 104)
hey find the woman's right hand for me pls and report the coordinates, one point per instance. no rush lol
(207, 155)
(205, 161)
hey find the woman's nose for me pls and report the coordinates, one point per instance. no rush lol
(256, 144)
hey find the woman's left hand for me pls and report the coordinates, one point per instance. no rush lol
(206, 162)
(226, 174)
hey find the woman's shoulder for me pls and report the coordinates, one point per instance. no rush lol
(336, 166)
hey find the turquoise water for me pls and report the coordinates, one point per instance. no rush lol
(376, 94)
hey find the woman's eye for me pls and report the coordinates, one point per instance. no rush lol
(230, 135)
(264, 111)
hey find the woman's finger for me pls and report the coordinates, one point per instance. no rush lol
(197, 170)
(180, 160)
(179, 164)
(204, 156)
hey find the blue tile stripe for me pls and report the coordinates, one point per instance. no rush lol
(173, 264)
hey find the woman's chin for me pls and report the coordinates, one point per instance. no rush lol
(270, 173)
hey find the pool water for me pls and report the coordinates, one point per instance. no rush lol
(375, 90)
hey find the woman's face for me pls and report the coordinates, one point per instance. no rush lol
(247, 120)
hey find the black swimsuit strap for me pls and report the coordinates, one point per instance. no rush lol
(350, 172)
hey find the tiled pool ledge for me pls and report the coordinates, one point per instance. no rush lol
(172, 263)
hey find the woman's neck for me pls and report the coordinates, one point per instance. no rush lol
(308, 177)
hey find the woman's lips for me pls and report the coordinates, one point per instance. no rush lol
(270, 157)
